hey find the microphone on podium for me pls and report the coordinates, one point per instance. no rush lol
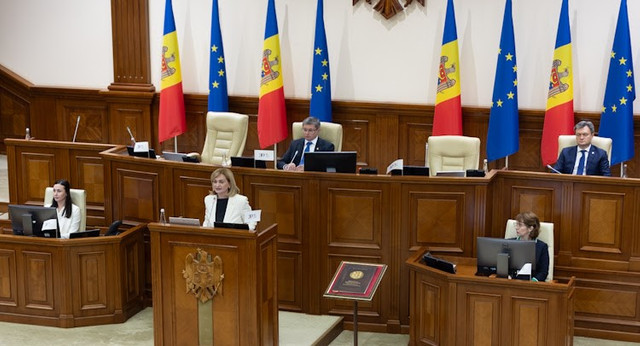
(553, 169)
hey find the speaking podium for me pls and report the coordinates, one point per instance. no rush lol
(464, 309)
(214, 286)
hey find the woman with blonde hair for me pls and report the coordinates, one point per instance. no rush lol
(224, 202)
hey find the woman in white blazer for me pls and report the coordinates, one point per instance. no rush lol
(68, 213)
(225, 203)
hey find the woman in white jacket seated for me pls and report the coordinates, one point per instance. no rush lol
(225, 203)
(68, 213)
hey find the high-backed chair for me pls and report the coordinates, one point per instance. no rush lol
(546, 235)
(226, 135)
(78, 197)
(603, 143)
(452, 153)
(331, 132)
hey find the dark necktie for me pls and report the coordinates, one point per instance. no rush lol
(581, 162)
(306, 150)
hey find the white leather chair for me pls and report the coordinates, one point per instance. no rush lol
(452, 153)
(78, 197)
(603, 143)
(226, 135)
(331, 132)
(546, 235)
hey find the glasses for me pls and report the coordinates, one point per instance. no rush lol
(308, 130)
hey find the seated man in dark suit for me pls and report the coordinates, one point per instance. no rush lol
(293, 159)
(584, 158)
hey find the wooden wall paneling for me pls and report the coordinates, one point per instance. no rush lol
(483, 321)
(129, 110)
(87, 172)
(8, 275)
(90, 276)
(39, 170)
(603, 217)
(130, 40)
(93, 126)
(191, 187)
(43, 119)
(412, 146)
(282, 201)
(136, 193)
(15, 105)
(39, 281)
(353, 227)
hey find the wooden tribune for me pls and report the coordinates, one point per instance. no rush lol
(243, 304)
(464, 309)
(71, 282)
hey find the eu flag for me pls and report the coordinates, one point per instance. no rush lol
(502, 138)
(218, 99)
(616, 121)
(320, 80)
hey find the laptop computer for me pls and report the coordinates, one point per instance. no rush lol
(450, 174)
(167, 155)
(177, 220)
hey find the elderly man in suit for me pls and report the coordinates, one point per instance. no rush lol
(293, 159)
(584, 158)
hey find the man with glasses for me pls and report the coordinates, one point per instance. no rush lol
(293, 159)
(584, 158)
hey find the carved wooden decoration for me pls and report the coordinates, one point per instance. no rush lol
(203, 275)
(389, 8)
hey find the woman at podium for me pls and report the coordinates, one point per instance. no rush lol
(68, 213)
(224, 202)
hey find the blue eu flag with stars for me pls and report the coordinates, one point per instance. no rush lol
(218, 99)
(502, 137)
(616, 121)
(320, 81)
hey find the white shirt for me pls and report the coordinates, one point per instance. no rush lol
(68, 225)
(586, 156)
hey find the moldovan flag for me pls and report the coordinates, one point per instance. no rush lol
(171, 121)
(616, 121)
(218, 98)
(272, 115)
(558, 119)
(447, 117)
(320, 105)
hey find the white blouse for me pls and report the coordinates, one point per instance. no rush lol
(71, 224)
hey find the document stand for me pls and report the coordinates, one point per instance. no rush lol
(355, 281)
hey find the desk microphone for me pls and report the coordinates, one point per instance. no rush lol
(75, 133)
(294, 157)
(133, 140)
(553, 169)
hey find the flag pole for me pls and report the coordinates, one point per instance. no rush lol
(175, 144)
(275, 155)
(506, 162)
(623, 169)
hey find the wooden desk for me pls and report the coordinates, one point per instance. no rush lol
(326, 218)
(464, 309)
(71, 282)
(244, 311)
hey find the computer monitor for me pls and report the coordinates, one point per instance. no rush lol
(243, 161)
(331, 161)
(519, 252)
(29, 219)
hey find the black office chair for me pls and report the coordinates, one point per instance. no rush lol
(114, 228)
